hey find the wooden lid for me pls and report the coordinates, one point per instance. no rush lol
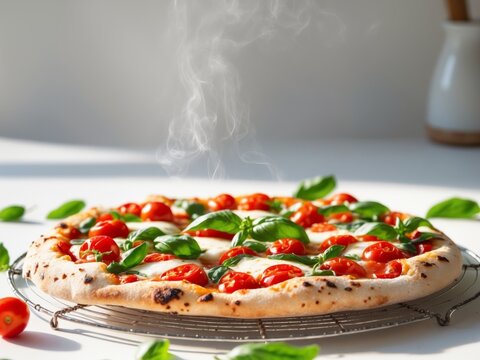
(454, 137)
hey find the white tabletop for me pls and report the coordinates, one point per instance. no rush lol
(408, 175)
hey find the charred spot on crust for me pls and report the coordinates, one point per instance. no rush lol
(427, 264)
(186, 304)
(36, 268)
(45, 265)
(81, 269)
(55, 279)
(356, 284)
(27, 274)
(423, 275)
(331, 284)
(303, 305)
(237, 302)
(442, 258)
(62, 225)
(165, 295)
(42, 276)
(88, 279)
(64, 276)
(348, 288)
(306, 284)
(205, 298)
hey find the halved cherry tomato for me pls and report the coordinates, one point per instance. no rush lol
(69, 231)
(127, 279)
(343, 217)
(238, 250)
(382, 251)
(255, 201)
(155, 257)
(14, 316)
(287, 246)
(188, 272)
(102, 247)
(104, 217)
(112, 228)
(344, 266)
(222, 202)
(424, 247)
(156, 211)
(211, 233)
(233, 281)
(64, 248)
(392, 217)
(390, 270)
(279, 273)
(368, 238)
(341, 198)
(323, 227)
(130, 208)
(344, 240)
(307, 215)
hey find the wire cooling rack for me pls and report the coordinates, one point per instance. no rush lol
(439, 306)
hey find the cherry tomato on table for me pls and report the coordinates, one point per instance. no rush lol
(287, 246)
(103, 248)
(156, 211)
(279, 273)
(344, 240)
(383, 252)
(307, 215)
(130, 208)
(14, 316)
(222, 202)
(112, 228)
(233, 281)
(344, 266)
(255, 201)
(189, 272)
(238, 250)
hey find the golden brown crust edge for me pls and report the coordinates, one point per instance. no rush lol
(89, 283)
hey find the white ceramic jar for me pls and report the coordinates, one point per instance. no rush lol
(454, 104)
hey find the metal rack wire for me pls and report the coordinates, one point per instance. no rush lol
(439, 306)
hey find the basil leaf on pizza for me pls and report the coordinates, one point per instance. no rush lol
(225, 221)
(216, 273)
(124, 217)
(316, 272)
(182, 246)
(12, 213)
(455, 208)
(332, 252)
(381, 230)
(368, 209)
(69, 208)
(302, 259)
(150, 234)
(4, 258)
(235, 260)
(332, 209)
(131, 258)
(87, 224)
(271, 228)
(256, 246)
(316, 188)
(271, 351)
(239, 238)
(192, 208)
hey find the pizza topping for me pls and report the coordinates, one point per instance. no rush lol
(279, 273)
(343, 240)
(65, 249)
(369, 209)
(392, 217)
(322, 227)
(192, 208)
(287, 246)
(222, 202)
(100, 248)
(112, 228)
(233, 281)
(389, 270)
(68, 231)
(255, 201)
(342, 217)
(87, 224)
(342, 266)
(166, 227)
(225, 221)
(424, 247)
(382, 251)
(127, 279)
(211, 233)
(157, 268)
(188, 272)
(155, 257)
(130, 208)
(156, 211)
(378, 229)
(238, 250)
(307, 215)
(182, 246)
(131, 258)
(341, 198)
(146, 234)
(317, 188)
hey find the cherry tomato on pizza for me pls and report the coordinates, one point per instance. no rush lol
(344, 240)
(105, 217)
(233, 281)
(279, 273)
(65, 249)
(222, 202)
(69, 231)
(100, 248)
(14, 316)
(211, 233)
(390, 270)
(341, 198)
(127, 279)
(382, 251)
(238, 250)
(156, 257)
(424, 247)
(188, 272)
(307, 215)
(255, 201)
(130, 208)
(322, 227)
(392, 217)
(156, 211)
(344, 266)
(343, 217)
(286, 246)
(112, 228)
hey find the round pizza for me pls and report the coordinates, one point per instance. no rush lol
(249, 256)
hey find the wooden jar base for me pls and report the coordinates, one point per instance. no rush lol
(453, 137)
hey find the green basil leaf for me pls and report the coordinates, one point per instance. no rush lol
(317, 188)
(116, 215)
(67, 209)
(456, 208)
(414, 223)
(381, 230)
(225, 220)
(289, 211)
(116, 268)
(256, 245)
(131, 218)
(368, 209)
(12, 213)
(306, 260)
(132, 258)
(86, 225)
(332, 252)
(333, 209)
(271, 228)
(424, 236)
(354, 257)
(323, 273)
(352, 227)
(235, 260)
(77, 241)
(150, 234)
(271, 351)
(154, 350)
(276, 206)
(239, 238)
(182, 246)
(216, 273)
(192, 208)
(4, 258)
(407, 246)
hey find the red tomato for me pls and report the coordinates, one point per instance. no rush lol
(344, 240)
(254, 202)
(130, 208)
(103, 246)
(279, 273)
(287, 246)
(104, 217)
(344, 266)
(392, 217)
(390, 270)
(368, 238)
(158, 257)
(126, 279)
(188, 272)
(343, 217)
(424, 247)
(211, 233)
(341, 198)
(156, 211)
(307, 215)
(323, 227)
(112, 228)
(69, 231)
(383, 252)
(64, 248)
(222, 202)
(233, 281)
(14, 316)
(238, 250)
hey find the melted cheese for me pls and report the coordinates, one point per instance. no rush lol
(253, 214)
(159, 267)
(320, 237)
(256, 265)
(215, 247)
(166, 227)
(357, 248)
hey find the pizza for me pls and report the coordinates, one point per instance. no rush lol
(246, 256)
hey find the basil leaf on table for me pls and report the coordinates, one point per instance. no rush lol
(66, 209)
(271, 228)
(414, 223)
(86, 225)
(368, 209)
(271, 351)
(182, 246)
(302, 259)
(225, 220)
(455, 208)
(255, 245)
(192, 208)
(317, 188)
(154, 350)
(216, 273)
(4, 258)
(12, 213)
(381, 230)
(132, 258)
(333, 209)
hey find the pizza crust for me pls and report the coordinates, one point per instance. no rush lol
(90, 284)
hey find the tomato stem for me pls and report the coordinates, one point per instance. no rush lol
(7, 320)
